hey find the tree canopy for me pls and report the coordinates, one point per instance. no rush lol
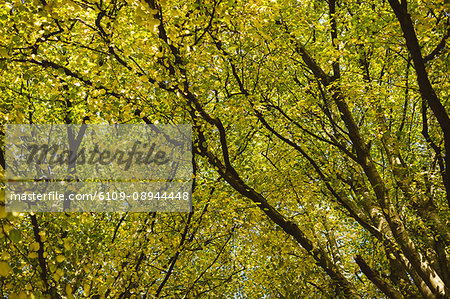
(321, 142)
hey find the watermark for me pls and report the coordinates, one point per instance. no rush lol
(43, 153)
(99, 196)
(98, 168)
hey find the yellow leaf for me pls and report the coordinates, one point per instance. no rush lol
(60, 272)
(68, 291)
(34, 246)
(86, 289)
(4, 268)
(143, 78)
(32, 255)
(67, 244)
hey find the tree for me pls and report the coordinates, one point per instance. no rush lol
(321, 134)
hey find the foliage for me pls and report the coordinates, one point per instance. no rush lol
(321, 138)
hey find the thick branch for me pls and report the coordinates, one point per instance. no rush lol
(388, 290)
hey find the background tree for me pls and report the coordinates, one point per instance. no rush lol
(320, 133)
